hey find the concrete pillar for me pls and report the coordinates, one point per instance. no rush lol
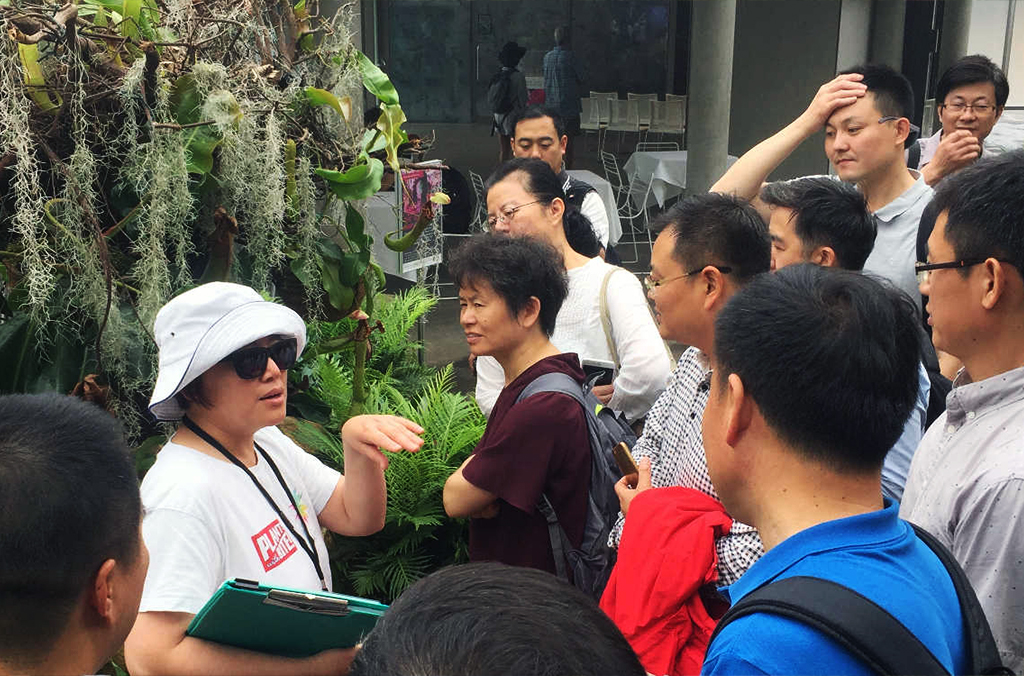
(956, 26)
(887, 22)
(712, 33)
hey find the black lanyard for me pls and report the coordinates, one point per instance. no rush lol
(310, 547)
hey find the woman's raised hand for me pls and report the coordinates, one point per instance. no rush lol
(368, 434)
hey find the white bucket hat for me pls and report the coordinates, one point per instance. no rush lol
(197, 329)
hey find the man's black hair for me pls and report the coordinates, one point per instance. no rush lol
(893, 93)
(829, 356)
(69, 500)
(543, 185)
(985, 202)
(972, 70)
(489, 618)
(828, 213)
(536, 112)
(516, 268)
(720, 230)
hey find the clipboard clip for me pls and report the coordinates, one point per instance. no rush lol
(308, 603)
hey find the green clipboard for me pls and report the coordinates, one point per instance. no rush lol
(281, 621)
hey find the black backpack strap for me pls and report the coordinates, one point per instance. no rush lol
(984, 655)
(857, 623)
(914, 156)
(562, 383)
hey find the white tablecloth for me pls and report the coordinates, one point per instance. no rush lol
(607, 194)
(666, 170)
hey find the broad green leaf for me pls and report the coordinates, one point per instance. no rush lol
(390, 123)
(300, 10)
(185, 102)
(199, 146)
(355, 228)
(357, 183)
(373, 141)
(29, 55)
(375, 81)
(339, 295)
(132, 13)
(322, 97)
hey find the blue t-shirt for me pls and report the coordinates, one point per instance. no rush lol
(875, 554)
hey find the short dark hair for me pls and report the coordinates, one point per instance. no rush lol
(562, 35)
(972, 70)
(489, 618)
(721, 230)
(516, 268)
(893, 93)
(69, 500)
(829, 356)
(985, 202)
(536, 112)
(543, 185)
(828, 213)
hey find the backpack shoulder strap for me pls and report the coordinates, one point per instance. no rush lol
(606, 322)
(984, 656)
(562, 383)
(914, 155)
(857, 623)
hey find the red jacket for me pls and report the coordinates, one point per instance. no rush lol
(667, 553)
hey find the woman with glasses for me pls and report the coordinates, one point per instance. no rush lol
(230, 496)
(605, 316)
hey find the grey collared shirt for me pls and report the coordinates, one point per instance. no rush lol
(966, 487)
(895, 249)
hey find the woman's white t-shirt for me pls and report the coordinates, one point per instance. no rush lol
(205, 522)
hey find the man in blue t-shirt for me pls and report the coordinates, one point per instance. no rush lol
(814, 375)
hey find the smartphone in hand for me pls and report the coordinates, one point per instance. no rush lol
(599, 371)
(624, 459)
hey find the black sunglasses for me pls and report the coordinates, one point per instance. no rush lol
(251, 362)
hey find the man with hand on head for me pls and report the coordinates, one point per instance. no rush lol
(73, 562)
(865, 114)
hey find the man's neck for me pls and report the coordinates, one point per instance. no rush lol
(75, 652)
(1000, 351)
(803, 494)
(525, 355)
(886, 185)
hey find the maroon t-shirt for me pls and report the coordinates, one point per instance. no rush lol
(538, 446)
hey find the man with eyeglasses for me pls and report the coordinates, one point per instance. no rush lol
(865, 113)
(966, 483)
(971, 95)
(708, 248)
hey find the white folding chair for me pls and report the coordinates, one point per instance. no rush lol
(603, 95)
(633, 209)
(625, 117)
(479, 222)
(668, 117)
(656, 146)
(644, 107)
(590, 120)
(676, 97)
(613, 175)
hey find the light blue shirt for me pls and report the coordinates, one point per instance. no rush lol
(897, 463)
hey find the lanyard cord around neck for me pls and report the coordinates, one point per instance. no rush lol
(308, 547)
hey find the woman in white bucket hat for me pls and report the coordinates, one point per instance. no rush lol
(230, 495)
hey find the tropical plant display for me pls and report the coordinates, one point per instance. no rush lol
(417, 537)
(150, 145)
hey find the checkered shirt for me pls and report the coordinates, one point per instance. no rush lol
(673, 441)
(561, 83)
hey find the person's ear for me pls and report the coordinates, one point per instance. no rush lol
(530, 313)
(902, 130)
(994, 279)
(563, 142)
(101, 595)
(999, 113)
(557, 208)
(714, 286)
(824, 256)
(739, 410)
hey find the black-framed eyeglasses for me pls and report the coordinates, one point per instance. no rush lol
(923, 270)
(651, 284)
(959, 107)
(893, 118)
(251, 362)
(507, 215)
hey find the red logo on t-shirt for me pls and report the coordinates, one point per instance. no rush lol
(274, 544)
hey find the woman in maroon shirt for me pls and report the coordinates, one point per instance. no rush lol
(510, 291)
